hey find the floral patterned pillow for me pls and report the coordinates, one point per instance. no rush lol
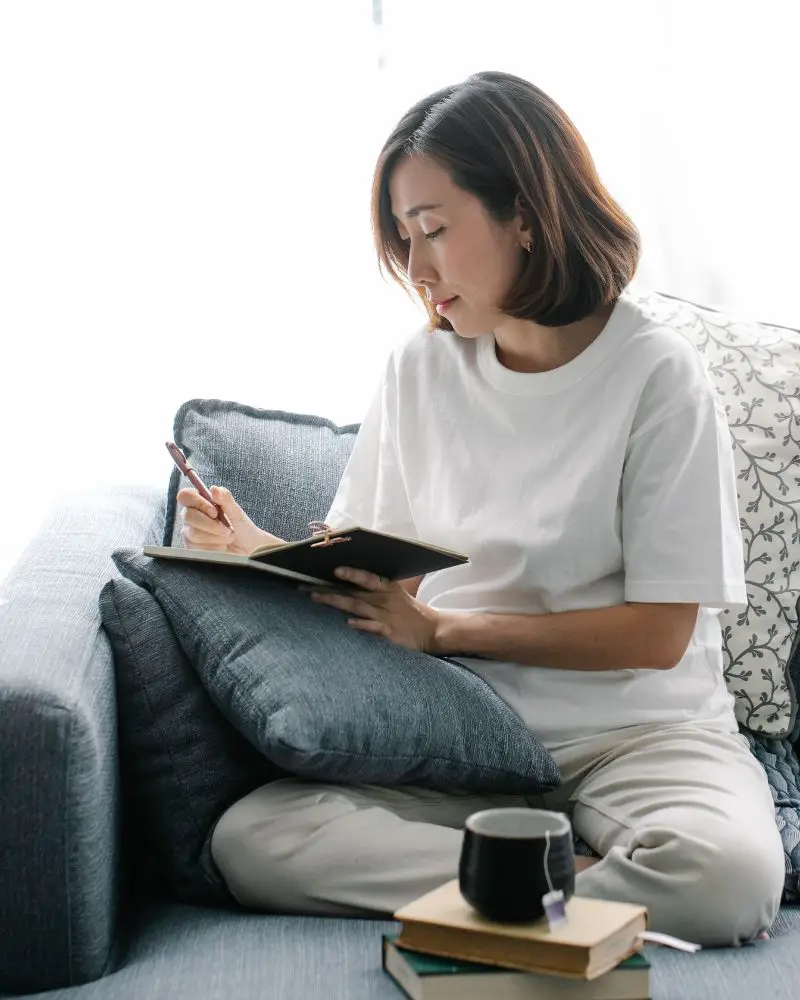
(756, 369)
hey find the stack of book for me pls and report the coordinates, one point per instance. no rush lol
(446, 951)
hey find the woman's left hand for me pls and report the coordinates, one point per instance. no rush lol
(384, 608)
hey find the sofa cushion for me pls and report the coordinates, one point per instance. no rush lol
(182, 952)
(325, 701)
(282, 468)
(182, 763)
(756, 369)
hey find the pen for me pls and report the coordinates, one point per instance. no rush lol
(180, 460)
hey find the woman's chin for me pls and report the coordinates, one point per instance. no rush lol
(467, 330)
(464, 326)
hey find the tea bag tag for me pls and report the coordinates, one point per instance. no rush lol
(555, 909)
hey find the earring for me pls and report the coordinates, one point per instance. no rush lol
(529, 246)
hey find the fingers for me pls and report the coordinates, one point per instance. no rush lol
(361, 578)
(204, 523)
(191, 540)
(201, 528)
(191, 499)
(351, 605)
(375, 628)
(215, 537)
(375, 590)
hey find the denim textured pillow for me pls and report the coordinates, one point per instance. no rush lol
(182, 764)
(282, 468)
(779, 758)
(327, 702)
(782, 769)
(756, 370)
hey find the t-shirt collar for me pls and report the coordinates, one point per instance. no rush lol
(545, 383)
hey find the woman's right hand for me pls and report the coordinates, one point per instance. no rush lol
(202, 530)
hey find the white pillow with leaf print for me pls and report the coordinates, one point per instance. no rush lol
(756, 369)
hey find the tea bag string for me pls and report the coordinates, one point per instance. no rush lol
(555, 913)
(546, 865)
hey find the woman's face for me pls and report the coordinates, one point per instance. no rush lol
(464, 259)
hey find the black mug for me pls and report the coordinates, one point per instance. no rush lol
(511, 858)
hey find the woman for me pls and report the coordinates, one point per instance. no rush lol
(578, 453)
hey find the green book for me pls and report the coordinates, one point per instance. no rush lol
(427, 977)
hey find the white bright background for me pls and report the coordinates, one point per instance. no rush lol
(184, 193)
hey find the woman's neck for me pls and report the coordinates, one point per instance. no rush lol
(523, 346)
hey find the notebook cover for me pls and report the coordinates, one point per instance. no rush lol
(386, 555)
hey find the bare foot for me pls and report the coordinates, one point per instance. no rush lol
(582, 862)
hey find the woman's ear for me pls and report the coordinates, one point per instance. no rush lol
(522, 229)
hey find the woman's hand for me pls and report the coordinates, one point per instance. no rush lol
(384, 608)
(202, 530)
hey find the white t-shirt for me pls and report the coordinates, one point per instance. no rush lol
(606, 480)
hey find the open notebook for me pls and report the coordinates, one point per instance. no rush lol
(314, 559)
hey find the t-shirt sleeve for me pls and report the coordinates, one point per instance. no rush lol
(681, 537)
(372, 492)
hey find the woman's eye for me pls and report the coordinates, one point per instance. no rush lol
(435, 233)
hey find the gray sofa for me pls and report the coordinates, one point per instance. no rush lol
(74, 922)
(67, 915)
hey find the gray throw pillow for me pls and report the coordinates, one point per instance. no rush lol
(181, 762)
(282, 468)
(326, 702)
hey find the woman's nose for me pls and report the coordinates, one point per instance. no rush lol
(420, 270)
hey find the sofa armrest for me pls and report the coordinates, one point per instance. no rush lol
(59, 837)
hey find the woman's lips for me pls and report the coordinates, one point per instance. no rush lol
(443, 306)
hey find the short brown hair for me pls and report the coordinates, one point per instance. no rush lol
(505, 141)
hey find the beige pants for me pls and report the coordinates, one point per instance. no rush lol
(683, 818)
